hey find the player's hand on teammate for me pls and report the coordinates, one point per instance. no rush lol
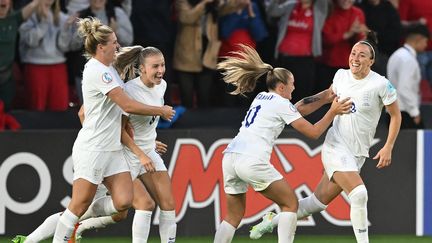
(167, 112)
(330, 95)
(147, 163)
(161, 148)
(384, 156)
(340, 107)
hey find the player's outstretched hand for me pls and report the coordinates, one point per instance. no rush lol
(167, 112)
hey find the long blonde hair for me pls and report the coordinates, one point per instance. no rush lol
(129, 58)
(93, 32)
(245, 67)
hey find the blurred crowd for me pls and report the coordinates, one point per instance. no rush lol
(41, 53)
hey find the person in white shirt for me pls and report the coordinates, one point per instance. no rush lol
(152, 183)
(347, 142)
(403, 70)
(246, 160)
(97, 151)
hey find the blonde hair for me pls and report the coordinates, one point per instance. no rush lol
(129, 58)
(93, 32)
(244, 69)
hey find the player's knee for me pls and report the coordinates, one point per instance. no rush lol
(358, 197)
(289, 206)
(123, 204)
(167, 204)
(144, 203)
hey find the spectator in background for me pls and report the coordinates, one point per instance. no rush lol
(153, 22)
(245, 26)
(342, 29)
(383, 18)
(299, 39)
(44, 38)
(116, 18)
(403, 71)
(197, 46)
(9, 24)
(415, 12)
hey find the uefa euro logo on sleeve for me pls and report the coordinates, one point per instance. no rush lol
(107, 78)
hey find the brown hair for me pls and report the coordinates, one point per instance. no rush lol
(94, 33)
(371, 41)
(55, 9)
(245, 68)
(129, 59)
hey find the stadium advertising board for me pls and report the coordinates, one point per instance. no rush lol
(36, 174)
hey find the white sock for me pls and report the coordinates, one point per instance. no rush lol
(307, 206)
(94, 223)
(167, 226)
(358, 198)
(103, 206)
(287, 227)
(65, 227)
(224, 233)
(45, 230)
(141, 226)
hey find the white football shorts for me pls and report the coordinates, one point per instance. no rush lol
(94, 166)
(337, 157)
(137, 169)
(240, 170)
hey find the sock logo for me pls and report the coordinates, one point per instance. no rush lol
(362, 230)
(171, 240)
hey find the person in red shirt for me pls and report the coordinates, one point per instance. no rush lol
(342, 29)
(419, 12)
(299, 39)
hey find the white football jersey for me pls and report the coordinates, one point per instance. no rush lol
(145, 126)
(369, 95)
(264, 121)
(101, 130)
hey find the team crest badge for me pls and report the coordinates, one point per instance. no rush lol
(107, 78)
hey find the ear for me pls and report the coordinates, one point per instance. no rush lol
(280, 86)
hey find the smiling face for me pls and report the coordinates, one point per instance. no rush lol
(109, 50)
(152, 70)
(360, 61)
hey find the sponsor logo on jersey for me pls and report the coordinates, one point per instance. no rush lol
(107, 78)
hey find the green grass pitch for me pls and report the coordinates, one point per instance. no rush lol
(266, 239)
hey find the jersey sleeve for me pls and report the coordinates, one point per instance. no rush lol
(387, 92)
(106, 81)
(288, 112)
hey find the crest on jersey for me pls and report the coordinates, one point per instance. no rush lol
(107, 78)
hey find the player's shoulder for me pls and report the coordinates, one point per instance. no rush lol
(95, 67)
(377, 79)
(132, 84)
